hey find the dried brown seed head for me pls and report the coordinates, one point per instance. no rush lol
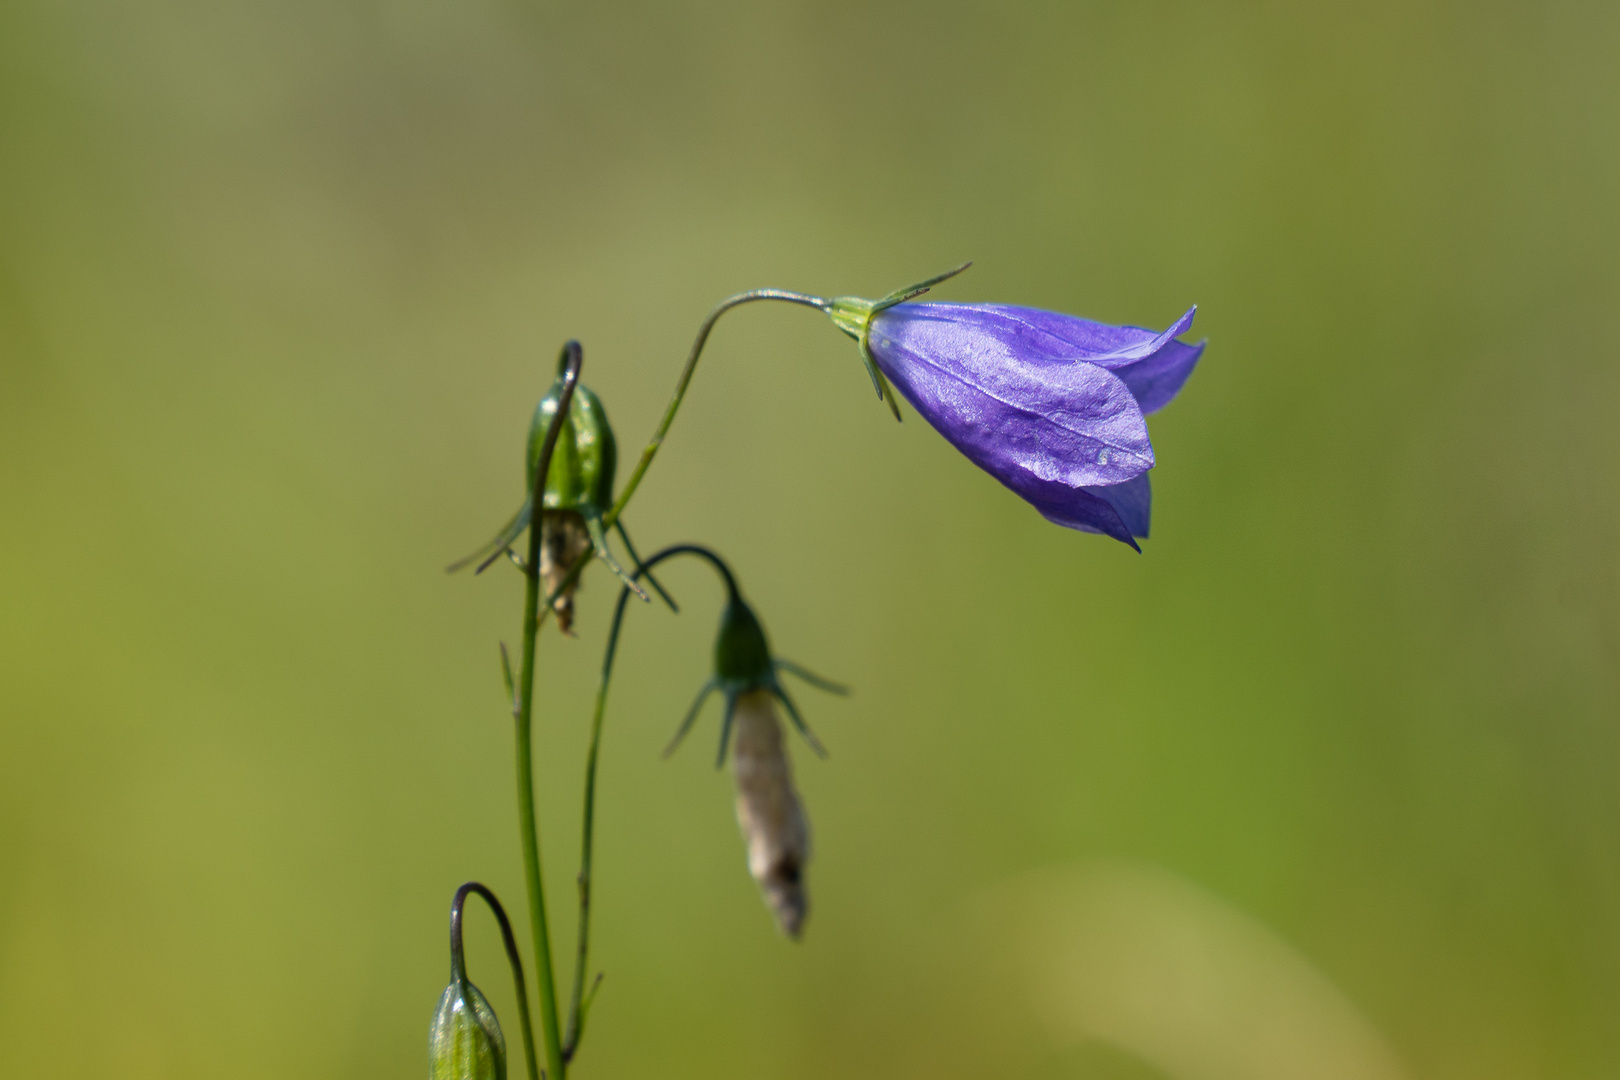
(564, 540)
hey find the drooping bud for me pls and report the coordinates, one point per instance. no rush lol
(585, 458)
(579, 487)
(465, 1041)
(769, 812)
(577, 498)
(774, 827)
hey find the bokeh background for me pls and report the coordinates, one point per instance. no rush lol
(1326, 783)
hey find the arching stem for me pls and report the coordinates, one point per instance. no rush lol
(458, 963)
(804, 299)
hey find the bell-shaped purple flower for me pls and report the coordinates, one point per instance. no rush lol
(1051, 405)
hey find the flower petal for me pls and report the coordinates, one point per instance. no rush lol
(1054, 336)
(1132, 501)
(1003, 403)
(1077, 508)
(1155, 380)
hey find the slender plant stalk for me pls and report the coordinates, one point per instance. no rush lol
(458, 965)
(579, 1006)
(817, 302)
(528, 830)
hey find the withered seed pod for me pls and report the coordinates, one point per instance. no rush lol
(768, 810)
(577, 499)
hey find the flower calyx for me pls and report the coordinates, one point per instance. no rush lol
(744, 665)
(853, 315)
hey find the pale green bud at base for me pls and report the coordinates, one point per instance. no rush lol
(465, 1041)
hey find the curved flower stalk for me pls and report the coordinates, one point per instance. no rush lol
(465, 1040)
(1054, 406)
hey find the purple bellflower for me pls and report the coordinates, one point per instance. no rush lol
(1051, 405)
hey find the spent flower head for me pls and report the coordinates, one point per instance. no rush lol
(769, 811)
(576, 499)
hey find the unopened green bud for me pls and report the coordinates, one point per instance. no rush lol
(586, 456)
(465, 1041)
(579, 485)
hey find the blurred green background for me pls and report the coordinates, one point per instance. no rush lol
(280, 283)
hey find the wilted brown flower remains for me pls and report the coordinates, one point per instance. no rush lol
(768, 810)
(564, 540)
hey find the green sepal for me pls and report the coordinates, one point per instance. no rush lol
(503, 540)
(725, 729)
(630, 547)
(599, 544)
(798, 721)
(853, 316)
(820, 682)
(709, 687)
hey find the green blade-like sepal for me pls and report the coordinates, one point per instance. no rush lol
(629, 546)
(494, 549)
(820, 682)
(704, 691)
(798, 721)
(853, 315)
(900, 296)
(599, 544)
(725, 729)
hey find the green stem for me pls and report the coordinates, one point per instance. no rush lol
(528, 830)
(817, 302)
(577, 1008)
(579, 1005)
